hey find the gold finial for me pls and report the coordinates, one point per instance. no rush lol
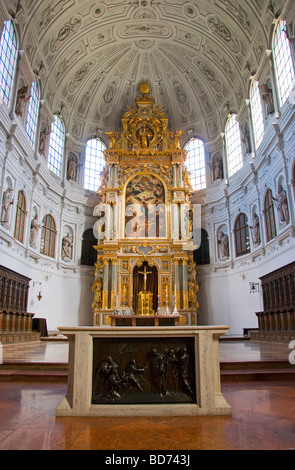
(144, 88)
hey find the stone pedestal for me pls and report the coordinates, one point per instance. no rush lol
(147, 371)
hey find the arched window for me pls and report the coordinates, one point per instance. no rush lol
(241, 233)
(48, 236)
(196, 163)
(89, 254)
(56, 146)
(202, 254)
(20, 219)
(257, 113)
(269, 212)
(8, 56)
(233, 145)
(94, 164)
(284, 67)
(33, 113)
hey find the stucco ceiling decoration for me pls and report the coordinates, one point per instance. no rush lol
(193, 53)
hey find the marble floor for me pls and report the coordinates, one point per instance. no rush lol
(263, 413)
(57, 352)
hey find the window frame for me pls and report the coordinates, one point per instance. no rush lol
(96, 163)
(283, 61)
(198, 177)
(242, 235)
(257, 113)
(8, 61)
(56, 146)
(20, 217)
(269, 216)
(233, 143)
(48, 235)
(33, 114)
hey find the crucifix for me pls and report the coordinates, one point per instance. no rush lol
(145, 274)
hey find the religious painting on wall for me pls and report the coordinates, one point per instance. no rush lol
(145, 215)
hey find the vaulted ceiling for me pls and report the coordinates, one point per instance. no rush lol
(92, 55)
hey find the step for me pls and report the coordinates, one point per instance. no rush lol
(264, 370)
(38, 372)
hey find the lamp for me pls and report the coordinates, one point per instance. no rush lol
(39, 296)
(254, 287)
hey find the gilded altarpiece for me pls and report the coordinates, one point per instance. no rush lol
(144, 228)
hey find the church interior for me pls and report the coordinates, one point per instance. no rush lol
(147, 184)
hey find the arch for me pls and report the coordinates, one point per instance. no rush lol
(196, 163)
(257, 113)
(33, 113)
(88, 253)
(269, 214)
(233, 142)
(56, 146)
(283, 62)
(151, 286)
(202, 254)
(8, 60)
(94, 164)
(48, 236)
(20, 218)
(241, 235)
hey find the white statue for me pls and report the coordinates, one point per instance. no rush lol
(282, 205)
(224, 246)
(256, 230)
(6, 204)
(35, 227)
(67, 248)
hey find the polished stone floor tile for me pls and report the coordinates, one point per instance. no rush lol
(263, 413)
(263, 419)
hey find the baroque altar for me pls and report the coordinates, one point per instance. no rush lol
(144, 225)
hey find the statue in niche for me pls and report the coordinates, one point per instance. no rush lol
(217, 168)
(21, 100)
(256, 229)
(72, 167)
(6, 205)
(67, 248)
(267, 97)
(224, 246)
(35, 227)
(42, 141)
(282, 205)
(145, 136)
(247, 139)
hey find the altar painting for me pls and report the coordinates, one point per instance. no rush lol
(145, 207)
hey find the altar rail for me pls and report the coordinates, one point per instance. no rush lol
(277, 321)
